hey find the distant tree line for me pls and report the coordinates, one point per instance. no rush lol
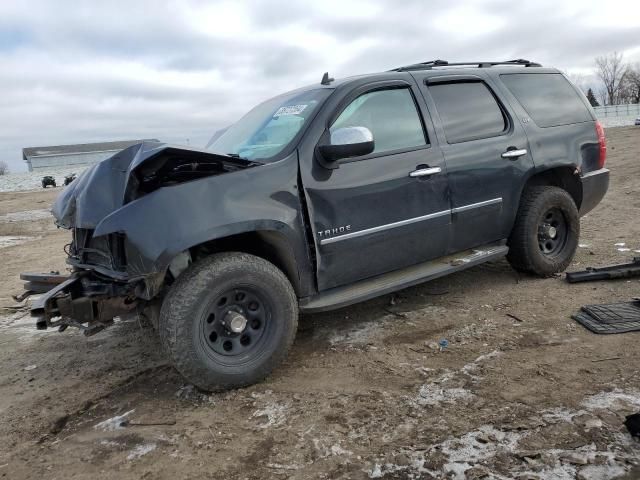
(4, 168)
(619, 81)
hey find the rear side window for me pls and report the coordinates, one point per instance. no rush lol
(391, 115)
(548, 98)
(468, 111)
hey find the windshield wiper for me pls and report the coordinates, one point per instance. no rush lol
(235, 155)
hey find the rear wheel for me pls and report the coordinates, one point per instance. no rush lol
(546, 233)
(229, 320)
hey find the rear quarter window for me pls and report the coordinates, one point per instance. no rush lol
(548, 98)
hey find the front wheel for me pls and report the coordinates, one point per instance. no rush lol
(545, 236)
(228, 321)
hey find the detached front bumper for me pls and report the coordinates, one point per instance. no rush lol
(85, 301)
(594, 187)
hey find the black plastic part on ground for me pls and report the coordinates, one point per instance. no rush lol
(633, 424)
(610, 318)
(624, 270)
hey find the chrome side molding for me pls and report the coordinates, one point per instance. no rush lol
(401, 223)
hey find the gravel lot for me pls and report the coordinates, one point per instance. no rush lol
(365, 393)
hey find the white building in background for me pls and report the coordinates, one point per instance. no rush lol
(41, 158)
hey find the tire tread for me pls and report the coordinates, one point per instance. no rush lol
(523, 254)
(174, 324)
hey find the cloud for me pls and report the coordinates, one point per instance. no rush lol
(76, 72)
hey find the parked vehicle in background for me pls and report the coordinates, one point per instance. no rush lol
(637, 121)
(327, 196)
(47, 181)
(69, 178)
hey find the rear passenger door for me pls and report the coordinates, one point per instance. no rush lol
(487, 156)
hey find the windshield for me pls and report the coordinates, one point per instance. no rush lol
(269, 128)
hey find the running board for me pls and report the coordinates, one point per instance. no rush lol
(390, 282)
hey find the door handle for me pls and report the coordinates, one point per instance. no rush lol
(514, 153)
(425, 172)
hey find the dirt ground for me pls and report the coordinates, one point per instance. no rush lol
(365, 393)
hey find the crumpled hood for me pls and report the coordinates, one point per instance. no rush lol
(108, 185)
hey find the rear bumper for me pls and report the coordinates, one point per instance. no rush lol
(594, 187)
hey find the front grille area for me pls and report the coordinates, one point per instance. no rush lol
(105, 251)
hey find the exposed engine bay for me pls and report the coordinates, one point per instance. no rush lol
(173, 166)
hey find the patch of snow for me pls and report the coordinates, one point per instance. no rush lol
(360, 335)
(601, 472)
(333, 450)
(191, 392)
(564, 468)
(461, 454)
(614, 400)
(469, 368)
(276, 415)
(338, 450)
(481, 446)
(379, 471)
(110, 443)
(467, 450)
(23, 325)
(30, 367)
(280, 466)
(436, 392)
(584, 245)
(560, 414)
(115, 423)
(620, 244)
(376, 472)
(141, 450)
(557, 472)
(431, 394)
(25, 216)
(10, 241)
(624, 249)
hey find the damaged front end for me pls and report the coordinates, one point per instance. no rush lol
(83, 301)
(113, 271)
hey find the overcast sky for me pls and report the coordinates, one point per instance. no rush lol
(85, 71)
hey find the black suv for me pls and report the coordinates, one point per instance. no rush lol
(326, 196)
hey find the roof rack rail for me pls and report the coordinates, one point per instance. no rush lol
(443, 63)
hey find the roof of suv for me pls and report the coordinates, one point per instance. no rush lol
(439, 67)
(443, 63)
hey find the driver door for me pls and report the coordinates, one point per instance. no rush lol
(380, 212)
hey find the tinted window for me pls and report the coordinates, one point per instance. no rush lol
(548, 98)
(468, 110)
(391, 116)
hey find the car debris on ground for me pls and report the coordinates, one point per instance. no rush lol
(618, 317)
(624, 270)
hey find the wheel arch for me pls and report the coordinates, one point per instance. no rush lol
(564, 177)
(271, 245)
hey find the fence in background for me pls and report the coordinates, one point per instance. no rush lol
(627, 110)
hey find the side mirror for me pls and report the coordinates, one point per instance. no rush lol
(348, 142)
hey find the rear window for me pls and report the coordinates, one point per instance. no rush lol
(548, 98)
(468, 111)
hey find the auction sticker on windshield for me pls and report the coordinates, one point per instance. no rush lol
(290, 110)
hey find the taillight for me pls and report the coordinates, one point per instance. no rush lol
(602, 142)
